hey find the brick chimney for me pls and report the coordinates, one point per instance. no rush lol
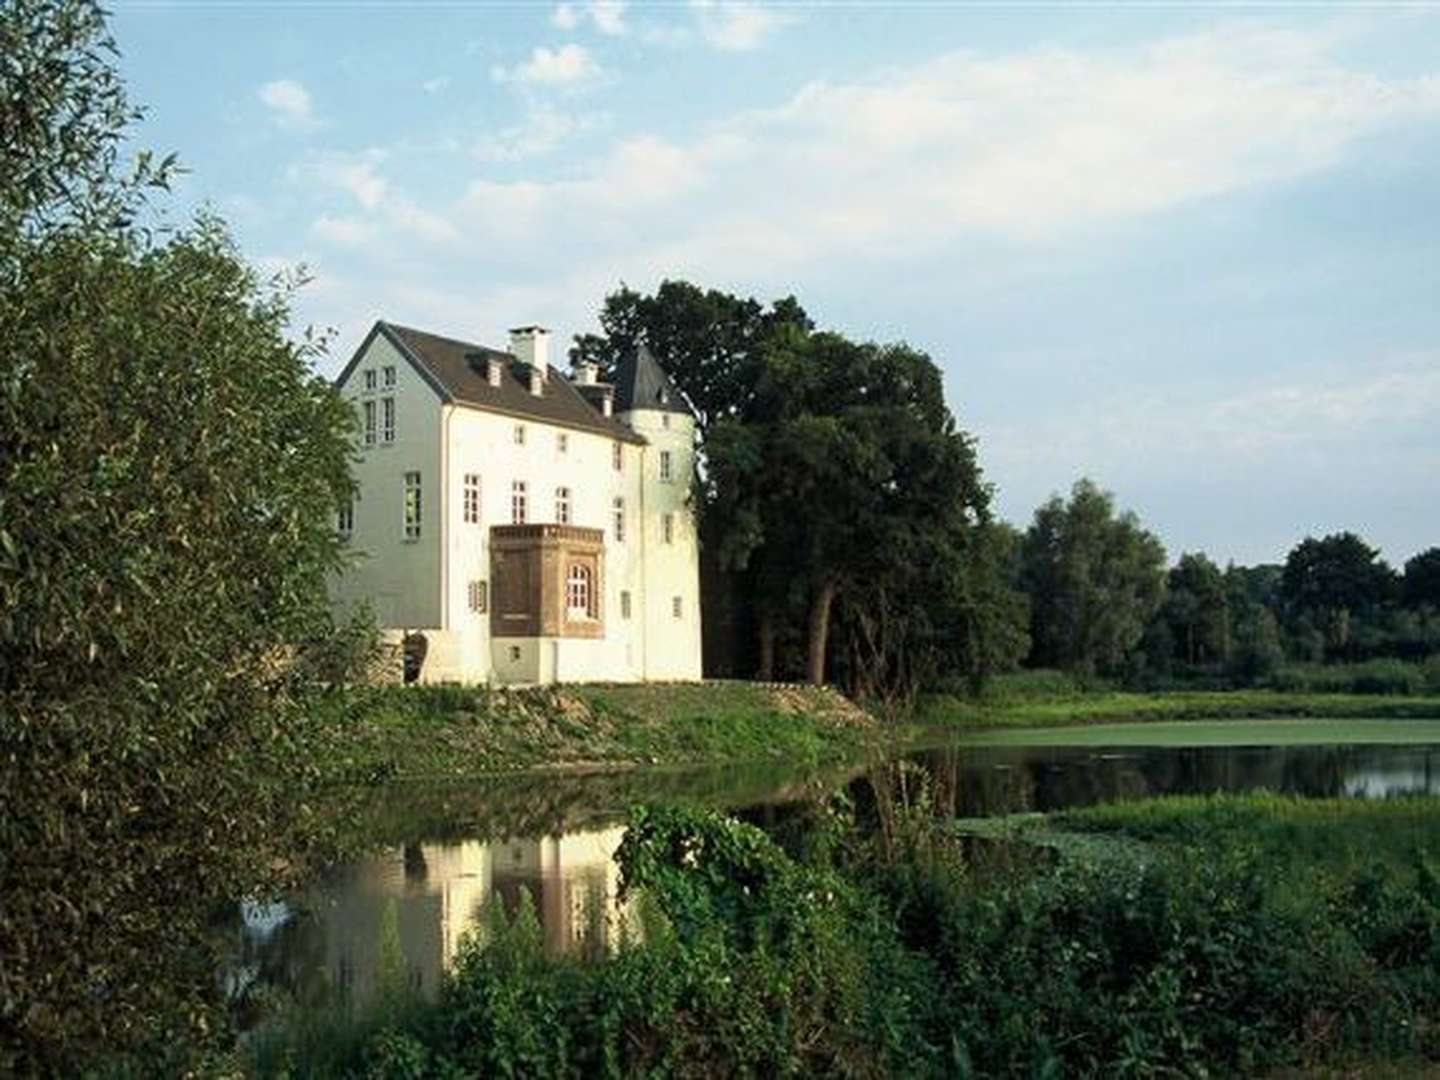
(531, 345)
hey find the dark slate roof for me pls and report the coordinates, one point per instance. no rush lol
(641, 383)
(446, 364)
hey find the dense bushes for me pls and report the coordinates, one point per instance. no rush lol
(169, 470)
(863, 950)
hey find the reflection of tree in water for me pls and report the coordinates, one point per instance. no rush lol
(986, 781)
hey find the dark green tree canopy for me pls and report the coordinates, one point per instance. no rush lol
(1338, 572)
(1094, 579)
(1422, 579)
(709, 342)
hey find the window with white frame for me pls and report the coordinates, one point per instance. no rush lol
(667, 528)
(578, 593)
(618, 506)
(517, 502)
(478, 596)
(519, 435)
(562, 443)
(368, 411)
(617, 456)
(370, 380)
(470, 502)
(412, 506)
(387, 420)
(667, 468)
(345, 520)
(562, 505)
(389, 380)
(625, 603)
(675, 607)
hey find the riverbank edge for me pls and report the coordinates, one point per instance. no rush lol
(452, 732)
(944, 714)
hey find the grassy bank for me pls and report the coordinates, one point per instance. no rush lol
(1103, 706)
(394, 732)
(1230, 935)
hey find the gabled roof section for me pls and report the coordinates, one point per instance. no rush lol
(641, 383)
(457, 371)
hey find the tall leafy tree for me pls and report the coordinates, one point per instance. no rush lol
(169, 471)
(1422, 580)
(1331, 582)
(1197, 610)
(711, 343)
(1094, 579)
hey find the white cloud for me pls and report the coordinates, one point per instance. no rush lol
(606, 16)
(567, 65)
(356, 174)
(739, 26)
(435, 85)
(290, 102)
(543, 130)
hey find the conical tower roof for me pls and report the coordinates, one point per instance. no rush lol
(641, 383)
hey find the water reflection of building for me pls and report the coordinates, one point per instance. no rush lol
(426, 897)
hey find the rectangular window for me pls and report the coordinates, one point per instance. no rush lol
(519, 434)
(389, 378)
(412, 506)
(517, 503)
(478, 597)
(625, 604)
(675, 606)
(562, 505)
(619, 509)
(370, 381)
(667, 472)
(665, 420)
(368, 410)
(562, 443)
(387, 419)
(617, 456)
(471, 500)
(667, 527)
(345, 523)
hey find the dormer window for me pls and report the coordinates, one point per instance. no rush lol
(492, 371)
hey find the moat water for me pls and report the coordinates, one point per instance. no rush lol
(446, 851)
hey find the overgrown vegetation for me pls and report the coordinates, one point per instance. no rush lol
(169, 466)
(390, 732)
(1251, 933)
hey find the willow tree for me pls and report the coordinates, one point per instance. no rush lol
(169, 471)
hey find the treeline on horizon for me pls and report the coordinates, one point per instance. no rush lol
(847, 534)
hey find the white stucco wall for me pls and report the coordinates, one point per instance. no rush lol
(671, 570)
(399, 577)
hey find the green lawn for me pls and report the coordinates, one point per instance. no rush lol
(1111, 706)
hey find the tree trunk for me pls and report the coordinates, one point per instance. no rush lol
(820, 631)
(767, 647)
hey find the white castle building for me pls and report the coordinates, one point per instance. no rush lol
(519, 526)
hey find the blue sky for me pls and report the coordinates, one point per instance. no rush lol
(1190, 251)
